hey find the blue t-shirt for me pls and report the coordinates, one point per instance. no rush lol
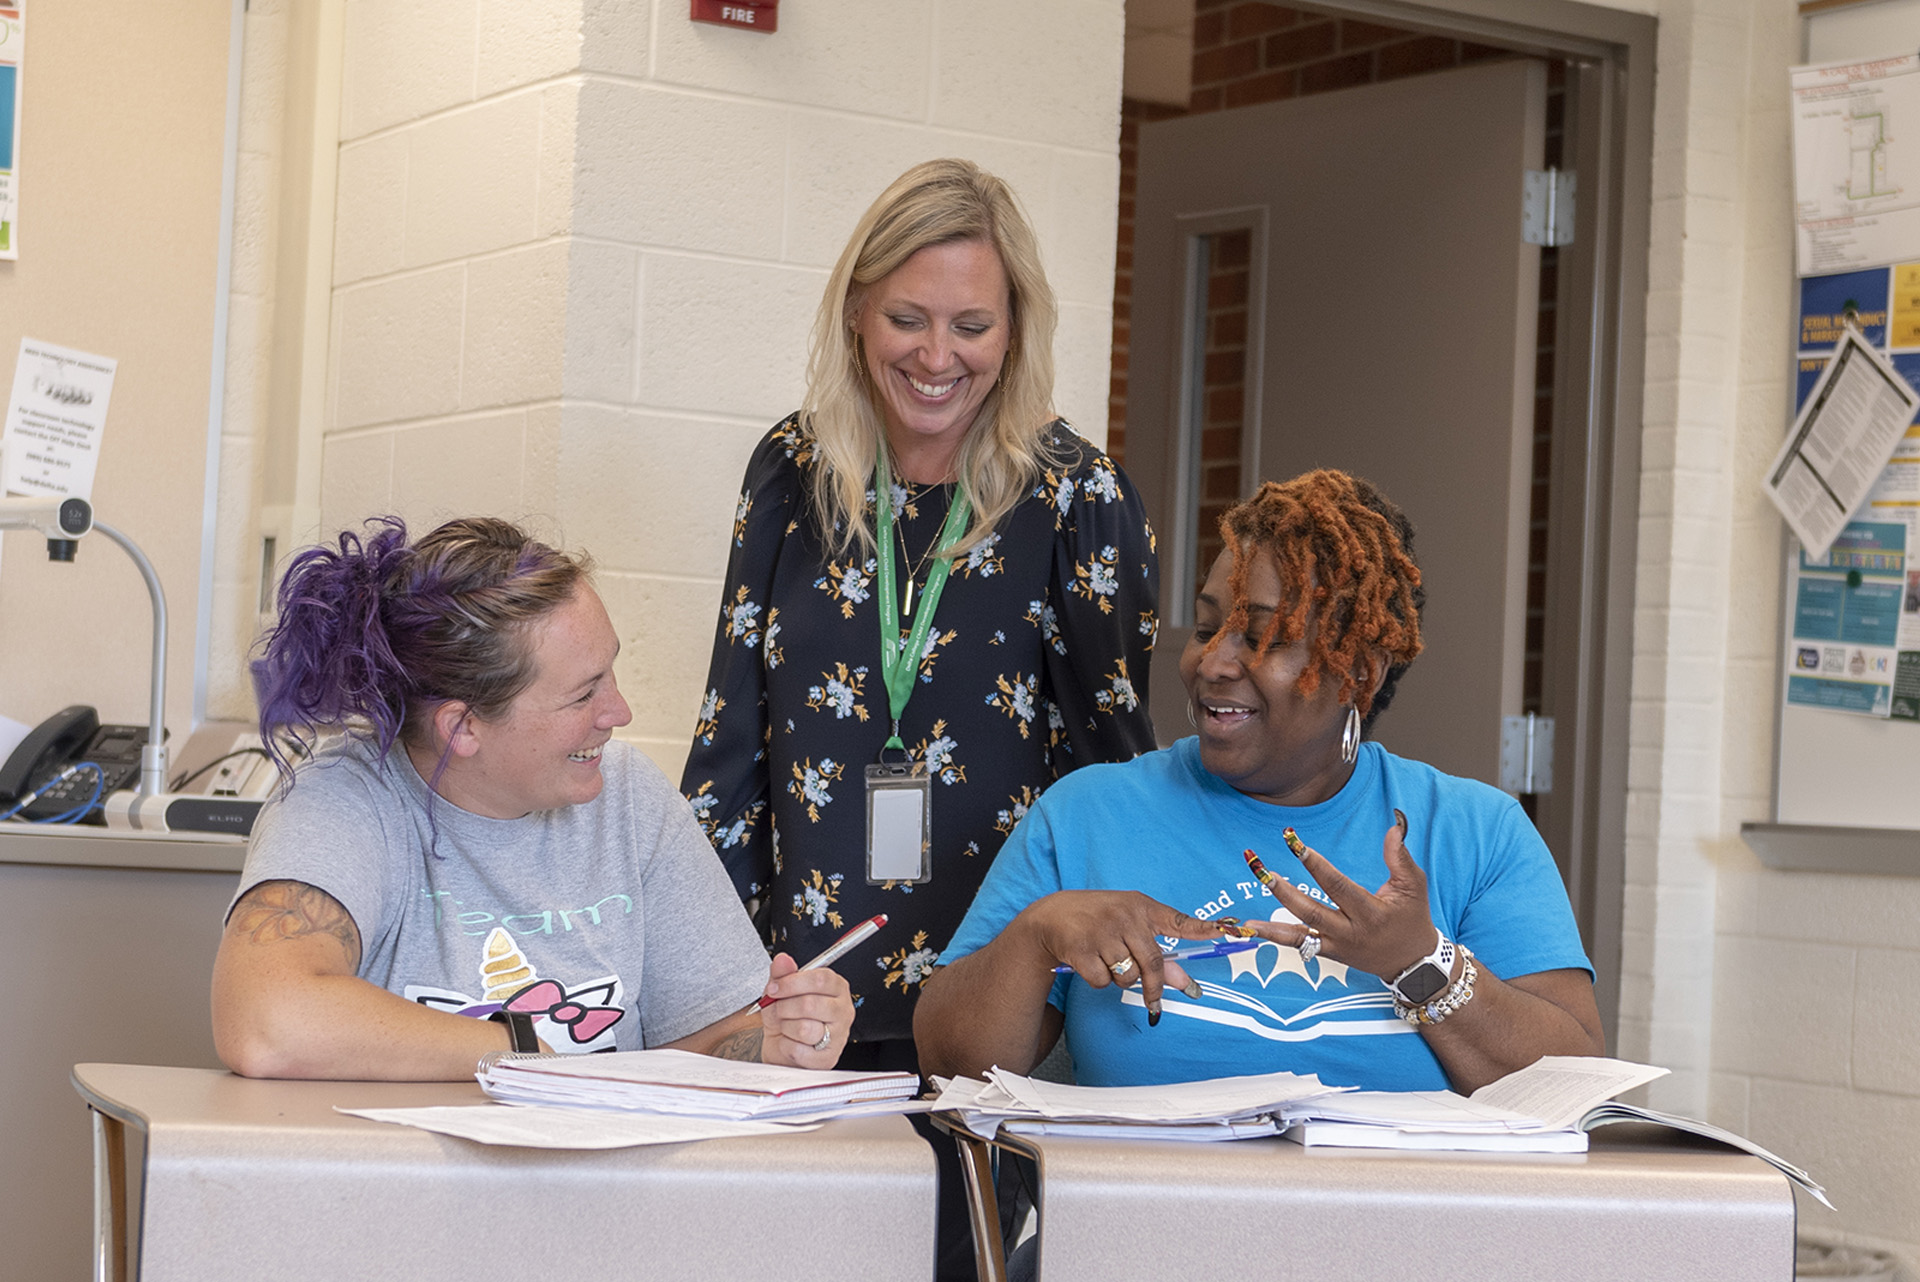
(1162, 825)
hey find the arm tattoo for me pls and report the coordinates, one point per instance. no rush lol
(276, 910)
(743, 1045)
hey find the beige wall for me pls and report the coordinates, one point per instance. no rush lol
(123, 131)
(579, 248)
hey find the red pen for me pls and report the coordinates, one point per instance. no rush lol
(841, 947)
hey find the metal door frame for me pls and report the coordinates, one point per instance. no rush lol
(1599, 385)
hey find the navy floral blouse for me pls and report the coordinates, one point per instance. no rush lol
(1036, 663)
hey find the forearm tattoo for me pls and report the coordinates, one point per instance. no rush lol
(276, 910)
(743, 1045)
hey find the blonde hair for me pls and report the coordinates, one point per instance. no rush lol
(1008, 444)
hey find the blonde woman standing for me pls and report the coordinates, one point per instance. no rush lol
(984, 629)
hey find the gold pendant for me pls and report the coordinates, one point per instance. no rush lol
(906, 605)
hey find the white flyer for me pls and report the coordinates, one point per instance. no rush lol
(55, 419)
(1845, 433)
(1856, 163)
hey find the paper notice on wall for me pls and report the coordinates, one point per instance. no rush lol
(1843, 653)
(12, 41)
(55, 418)
(1857, 410)
(1856, 163)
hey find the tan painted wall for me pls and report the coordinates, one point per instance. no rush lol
(122, 132)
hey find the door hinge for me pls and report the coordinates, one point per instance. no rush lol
(1546, 207)
(1526, 755)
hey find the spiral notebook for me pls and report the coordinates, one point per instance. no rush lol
(684, 1084)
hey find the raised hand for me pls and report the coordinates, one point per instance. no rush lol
(1382, 932)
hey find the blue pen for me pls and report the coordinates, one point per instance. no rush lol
(1193, 952)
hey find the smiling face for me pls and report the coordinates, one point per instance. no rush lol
(545, 751)
(935, 333)
(1257, 731)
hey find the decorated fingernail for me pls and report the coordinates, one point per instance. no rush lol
(1297, 846)
(1153, 1014)
(1259, 870)
(1405, 829)
(1192, 988)
(1232, 926)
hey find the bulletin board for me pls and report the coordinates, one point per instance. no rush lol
(1838, 769)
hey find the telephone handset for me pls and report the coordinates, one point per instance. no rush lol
(71, 735)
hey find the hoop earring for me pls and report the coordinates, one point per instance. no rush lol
(1190, 719)
(1350, 736)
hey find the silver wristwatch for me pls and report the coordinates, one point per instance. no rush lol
(1419, 983)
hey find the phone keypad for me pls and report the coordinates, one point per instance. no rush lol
(74, 790)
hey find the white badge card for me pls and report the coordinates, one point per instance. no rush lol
(899, 823)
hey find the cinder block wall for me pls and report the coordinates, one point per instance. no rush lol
(580, 246)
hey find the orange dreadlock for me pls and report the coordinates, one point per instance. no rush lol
(1345, 554)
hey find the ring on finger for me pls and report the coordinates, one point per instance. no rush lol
(826, 1039)
(1310, 946)
(1122, 968)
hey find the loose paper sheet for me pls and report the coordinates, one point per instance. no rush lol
(1857, 412)
(545, 1126)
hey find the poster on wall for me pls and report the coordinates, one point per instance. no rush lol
(12, 39)
(1856, 163)
(1879, 307)
(1844, 644)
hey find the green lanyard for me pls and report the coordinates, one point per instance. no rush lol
(900, 655)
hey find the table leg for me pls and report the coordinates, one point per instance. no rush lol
(976, 1164)
(109, 1198)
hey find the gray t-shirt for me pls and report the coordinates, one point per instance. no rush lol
(612, 922)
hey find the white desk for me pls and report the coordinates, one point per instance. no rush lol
(1645, 1204)
(204, 1176)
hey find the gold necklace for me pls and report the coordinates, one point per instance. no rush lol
(900, 527)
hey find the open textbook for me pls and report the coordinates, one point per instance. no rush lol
(1547, 1107)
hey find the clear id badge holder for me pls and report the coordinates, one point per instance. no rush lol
(899, 823)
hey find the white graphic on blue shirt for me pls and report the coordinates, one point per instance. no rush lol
(1251, 1002)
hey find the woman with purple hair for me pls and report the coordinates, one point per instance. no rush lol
(475, 864)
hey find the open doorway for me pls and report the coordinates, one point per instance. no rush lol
(1252, 342)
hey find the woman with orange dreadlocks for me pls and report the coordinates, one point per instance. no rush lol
(1417, 935)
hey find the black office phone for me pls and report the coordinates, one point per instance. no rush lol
(71, 735)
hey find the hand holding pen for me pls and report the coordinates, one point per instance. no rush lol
(838, 949)
(1111, 937)
(806, 1012)
(1194, 952)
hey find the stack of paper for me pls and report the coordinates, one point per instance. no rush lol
(680, 1083)
(1221, 1109)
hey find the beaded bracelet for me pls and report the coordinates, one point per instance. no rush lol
(1456, 996)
